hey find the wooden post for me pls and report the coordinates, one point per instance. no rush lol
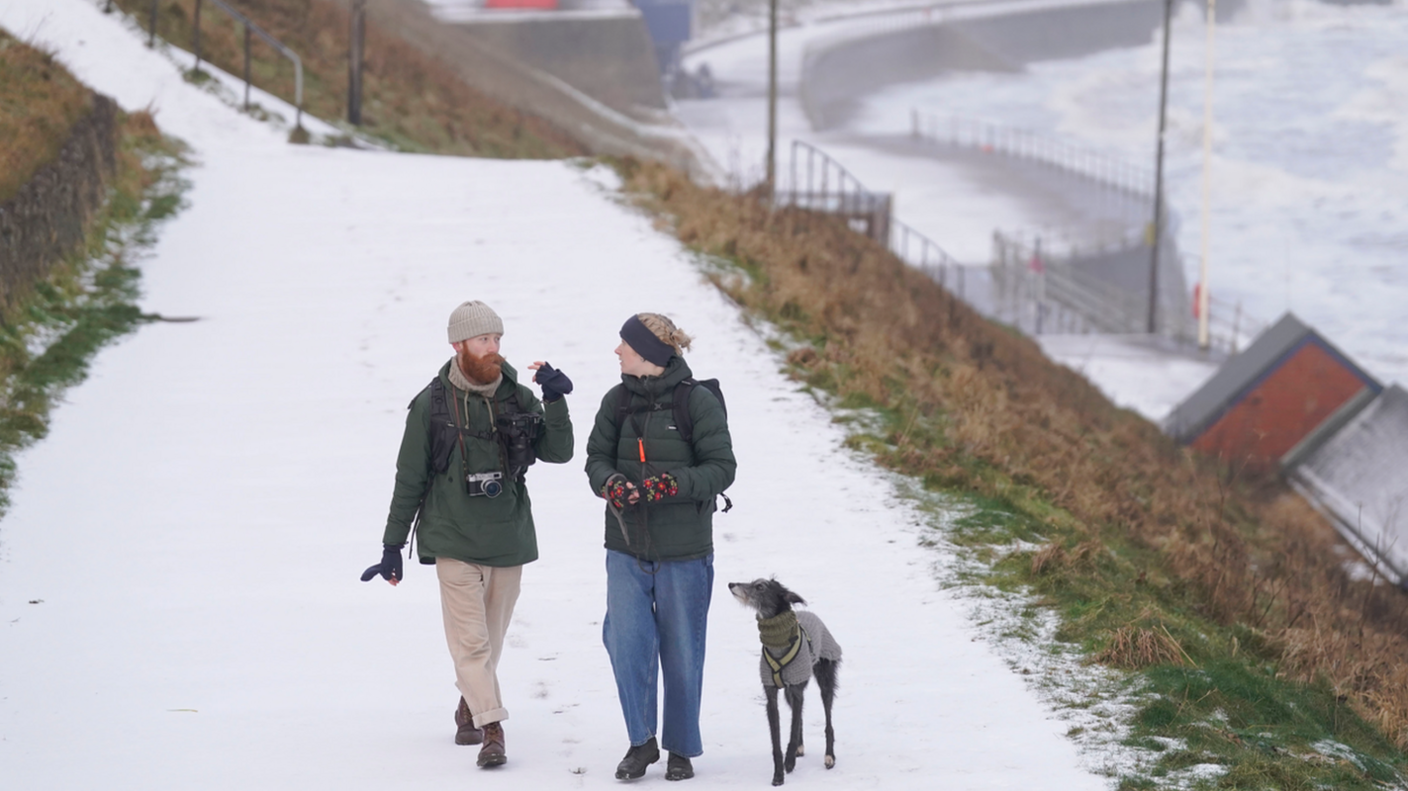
(355, 48)
(151, 36)
(197, 42)
(246, 67)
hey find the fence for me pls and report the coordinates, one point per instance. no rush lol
(1036, 286)
(1040, 293)
(1044, 293)
(819, 183)
(1078, 160)
(250, 29)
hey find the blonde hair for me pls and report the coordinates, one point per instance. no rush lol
(666, 331)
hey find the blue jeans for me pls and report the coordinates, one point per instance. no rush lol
(656, 618)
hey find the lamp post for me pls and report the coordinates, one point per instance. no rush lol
(1204, 294)
(1159, 179)
(772, 102)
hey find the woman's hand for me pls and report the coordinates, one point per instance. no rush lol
(620, 492)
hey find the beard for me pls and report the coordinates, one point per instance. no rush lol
(480, 370)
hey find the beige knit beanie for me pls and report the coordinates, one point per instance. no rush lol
(473, 319)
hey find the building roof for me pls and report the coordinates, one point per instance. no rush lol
(1242, 373)
(1360, 475)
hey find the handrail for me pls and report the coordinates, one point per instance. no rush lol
(832, 189)
(931, 259)
(827, 186)
(1032, 281)
(249, 27)
(1082, 161)
(847, 188)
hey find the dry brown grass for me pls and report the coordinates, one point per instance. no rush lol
(1008, 423)
(408, 97)
(39, 102)
(1133, 647)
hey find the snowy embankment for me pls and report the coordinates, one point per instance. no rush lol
(178, 573)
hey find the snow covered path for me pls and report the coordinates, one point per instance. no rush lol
(178, 575)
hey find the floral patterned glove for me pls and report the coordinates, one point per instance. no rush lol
(658, 487)
(617, 491)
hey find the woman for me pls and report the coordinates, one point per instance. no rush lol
(660, 489)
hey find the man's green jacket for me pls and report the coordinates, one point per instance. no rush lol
(674, 528)
(491, 531)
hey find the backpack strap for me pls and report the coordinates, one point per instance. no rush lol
(684, 421)
(679, 405)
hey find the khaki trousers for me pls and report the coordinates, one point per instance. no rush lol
(477, 602)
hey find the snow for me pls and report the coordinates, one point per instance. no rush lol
(178, 571)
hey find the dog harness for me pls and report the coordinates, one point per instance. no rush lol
(781, 632)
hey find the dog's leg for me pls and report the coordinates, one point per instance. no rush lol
(774, 725)
(795, 698)
(825, 671)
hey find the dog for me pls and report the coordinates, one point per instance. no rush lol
(797, 646)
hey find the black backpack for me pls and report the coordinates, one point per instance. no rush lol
(444, 434)
(679, 404)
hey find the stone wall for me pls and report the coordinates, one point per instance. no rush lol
(48, 218)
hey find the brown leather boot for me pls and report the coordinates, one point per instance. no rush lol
(464, 722)
(492, 753)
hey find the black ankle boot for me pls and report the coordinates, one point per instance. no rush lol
(637, 758)
(678, 768)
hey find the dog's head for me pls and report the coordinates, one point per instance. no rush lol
(768, 597)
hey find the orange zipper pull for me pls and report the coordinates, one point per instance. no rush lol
(640, 441)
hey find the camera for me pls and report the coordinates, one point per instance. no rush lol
(484, 484)
(517, 431)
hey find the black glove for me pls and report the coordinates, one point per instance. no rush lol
(555, 383)
(390, 566)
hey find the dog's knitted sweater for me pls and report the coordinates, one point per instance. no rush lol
(814, 643)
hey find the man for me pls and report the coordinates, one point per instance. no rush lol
(460, 491)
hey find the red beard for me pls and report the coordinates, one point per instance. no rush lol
(480, 370)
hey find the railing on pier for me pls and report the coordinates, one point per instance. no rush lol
(1042, 293)
(1083, 161)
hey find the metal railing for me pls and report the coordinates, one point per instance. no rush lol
(1044, 293)
(1083, 161)
(1040, 293)
(250, 29)
(924, 254)
(1229, 327)
(817, 182)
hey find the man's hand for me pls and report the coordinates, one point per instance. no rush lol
(555, 383)
(390, 566)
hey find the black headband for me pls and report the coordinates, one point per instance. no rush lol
(645, 342)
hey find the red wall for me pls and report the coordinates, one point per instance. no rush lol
(1286, 406)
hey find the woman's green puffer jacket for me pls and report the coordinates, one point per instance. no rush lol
(679, 527)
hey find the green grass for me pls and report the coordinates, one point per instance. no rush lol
(1224, 704)
(47, 343)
